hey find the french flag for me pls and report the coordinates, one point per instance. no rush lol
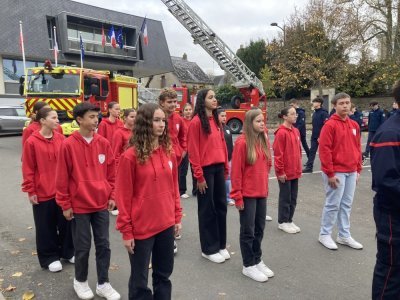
(111, 35)
(143, 30)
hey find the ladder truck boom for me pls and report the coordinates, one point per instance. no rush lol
(213, 45)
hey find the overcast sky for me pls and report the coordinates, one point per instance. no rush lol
(236, 22)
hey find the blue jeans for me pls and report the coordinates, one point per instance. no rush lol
(338, 204)
(228, 184)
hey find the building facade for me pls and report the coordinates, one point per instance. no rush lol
(72, 20)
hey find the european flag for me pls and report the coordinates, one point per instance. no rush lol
(82, 47)
(120, 38)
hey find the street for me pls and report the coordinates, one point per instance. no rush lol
(303, 268)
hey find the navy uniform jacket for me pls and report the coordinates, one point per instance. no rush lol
(358, 117)
(375, 119)
(318, 120)
(385, 165)
(228, 141)
(301, 120)
(392, 112)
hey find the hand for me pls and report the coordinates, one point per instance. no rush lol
(202, 186)
(68, 214)
(178, 228)
(111, 205)
(282, 178)
(129, 245)
(333, 182)
(184, 154)
(33, 200)
(240, 206)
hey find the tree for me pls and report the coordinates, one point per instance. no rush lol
(253, 56)
(225, 93)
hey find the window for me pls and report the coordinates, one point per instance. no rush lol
(104, 87)
(20, 112)
(9, 112)
(13, 69)
(51, 22)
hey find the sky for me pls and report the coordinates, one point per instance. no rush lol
(236, 22)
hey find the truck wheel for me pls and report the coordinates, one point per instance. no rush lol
(235, 102)
(235, 125)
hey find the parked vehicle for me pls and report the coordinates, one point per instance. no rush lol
(12, 119)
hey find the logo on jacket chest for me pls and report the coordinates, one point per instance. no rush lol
(177, 127)
(102, 158)
(170, 164)
(354, 131)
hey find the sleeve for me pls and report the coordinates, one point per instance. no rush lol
(182, 135)
(279, 146)
(111, 172)
(325, 150)
(25, 134)
(359, 147)
(178, 208)
(63, 170)
(226, 163)
(117, 147)
(238, 164)
(194, 150)
(385, 163)
(28, 169)
(124, 186)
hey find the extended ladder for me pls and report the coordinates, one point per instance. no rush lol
(215, 47)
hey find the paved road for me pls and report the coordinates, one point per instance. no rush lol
(303, 268)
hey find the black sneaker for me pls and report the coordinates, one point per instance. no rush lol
(307, 170)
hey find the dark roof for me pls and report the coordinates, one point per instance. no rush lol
(189, 72)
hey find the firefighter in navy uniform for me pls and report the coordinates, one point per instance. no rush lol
(385, 167)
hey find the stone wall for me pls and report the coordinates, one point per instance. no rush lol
(274, 106)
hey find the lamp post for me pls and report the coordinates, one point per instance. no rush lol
(274, 24)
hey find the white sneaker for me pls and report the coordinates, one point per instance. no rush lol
(297, 228)
(115, 212)
(55, 266)
(224, 253)
(230, 202)
(216, 257)
(83, 290)
(286, 228)
(72, 260)
(255, 274)
(349, 242)
(264, 269)
(185, 196)
(105, 290)
(268, 218)
(327, 241)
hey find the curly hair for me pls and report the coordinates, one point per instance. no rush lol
(200, 110)
(167, 93)
(142, 140)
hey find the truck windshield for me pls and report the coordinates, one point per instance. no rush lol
(57, 84)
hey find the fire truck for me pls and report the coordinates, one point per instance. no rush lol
(250, 87)
(64, 87)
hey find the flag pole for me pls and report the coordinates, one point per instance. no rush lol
(55, 46)
(140, 32)
(81, 46)
(21, 39)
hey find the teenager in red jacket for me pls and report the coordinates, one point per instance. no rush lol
(251, 162)
(85, 190)
(34, 125)
(40, 155)
(148, 200)
(340, 155)
(184, 165)
(287, 163)
(209, 159)
(168, 100)
(108, 126)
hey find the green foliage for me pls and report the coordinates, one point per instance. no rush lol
(253, 56)
(266, 79)
(225, 93)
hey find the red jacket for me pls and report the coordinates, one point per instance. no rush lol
(39, 161)
(248, 180)
(107, 129)
(177, 132)
(120, 142)
(287, 152)
(206, 149)
(34, 126)
(339, 146)
(85, 174)
(147, 194)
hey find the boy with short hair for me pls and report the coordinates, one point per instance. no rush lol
(85, 190)
(168, 101)
(340, 155)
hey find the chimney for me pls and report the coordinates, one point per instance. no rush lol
(184, 56)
